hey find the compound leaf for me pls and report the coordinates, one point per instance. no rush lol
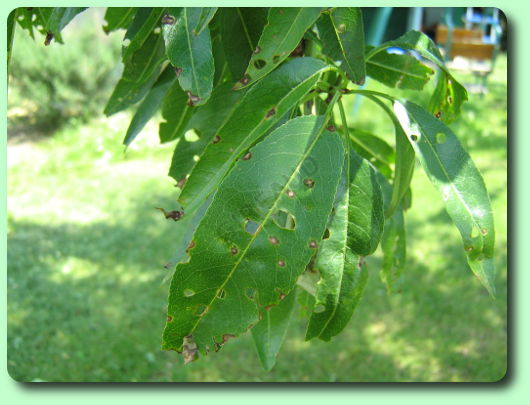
(256, 237)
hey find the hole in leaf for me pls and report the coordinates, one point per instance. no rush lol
(275, 59)
(221, 294)
(200, 310)
(284, 220)
(250, 293)
(319, 308)
(126, 42)
(259, 63)
(196, 158)
(251, 226)
(169, 318)
(440, 137)
(191, 135)
(156, 30)
(326, 234)
(188, 292)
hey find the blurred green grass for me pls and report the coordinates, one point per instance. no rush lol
(86, 250)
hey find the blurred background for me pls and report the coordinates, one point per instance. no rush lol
(86, 248)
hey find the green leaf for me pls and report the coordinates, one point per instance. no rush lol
(405, 159)
(342, 34)
(176, 112)
(255, 113)
(145, 23)
(11, 24)
(447, 99)
(256, 237)
(449, 95)
(54, 19)
(139, 74)
(342, 276)
(240, 30)
(149, 105)
(207, 13)
(393, 242)
(268, 334)
(402, 71)
(454, 174)
(190, 54)
(373, 149)
(118, 18)
(205, 122)
(365, 209)
(284, 31)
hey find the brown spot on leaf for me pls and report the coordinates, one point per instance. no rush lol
(270, 113)
(227, 337)
(313, 244)
(216, 139)
(192, 99)
(274, 240)
(282, 296)
(174, 214)
(189, 350)
(178, 71)
(48, 39)
(233, 250)
(247, 156)
(309, 183)
(438, 114)
(169, 318)
(290, 193)
(245, 80)
(168, 19)
(281, 263)
(190, 246)
(331, 128)
(257, 50)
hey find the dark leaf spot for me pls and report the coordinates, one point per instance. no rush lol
(192, 99)
(216, 139)
(168, 19)
(270, 113)
(169, 318)
(313, 244)
(245, 79)
(290, 193)
(274, 240)
(178, 71)
(275, 59)
(309, 183)
(414, 138)
(438, 114)
(227, 337)
(331, 128)
(281, 263)
(174, 215)
(48, 39)
(326, 234)
(233, 250)
(247, 156)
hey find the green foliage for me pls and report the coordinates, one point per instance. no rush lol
(275, 194)
(55, 84)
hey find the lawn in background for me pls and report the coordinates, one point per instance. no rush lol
(86, 250)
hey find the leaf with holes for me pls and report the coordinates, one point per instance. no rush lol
(146, 22)
(54, 19)
(205, 122)
(399, 70)
(268, 334)
(118, 17)
(365, 209)
(139, 74)
(256, 237)
(251, 117)
(282, 34)
(393, 241)
(176, 113)
(447, 100)
(240, 29)
(149, 105)
(342, 34)
(190, 54)
(373, 149)
(342, 275)
(454, 174)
